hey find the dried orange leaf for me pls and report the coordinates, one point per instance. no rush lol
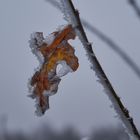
(51, 52)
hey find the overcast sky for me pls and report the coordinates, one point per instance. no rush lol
(80, 100)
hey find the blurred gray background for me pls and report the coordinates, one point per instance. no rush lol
(80, 101)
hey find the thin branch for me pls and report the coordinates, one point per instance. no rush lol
(116, 48)
(110, 43)
(72, 17)
(135, 6)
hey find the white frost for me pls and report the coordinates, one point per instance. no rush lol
(36, 40)
(68, 13)
(49, 39)
(64, 69)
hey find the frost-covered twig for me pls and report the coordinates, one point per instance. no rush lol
(110, 43)
(135, 6)
(72, 16)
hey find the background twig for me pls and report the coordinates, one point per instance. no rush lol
(135, 6)
(116, 48)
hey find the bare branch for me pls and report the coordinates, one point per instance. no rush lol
(72, 17)
(135, 6)
(110, 43)
(116, 48)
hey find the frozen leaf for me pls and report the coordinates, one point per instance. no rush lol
(51, 51)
